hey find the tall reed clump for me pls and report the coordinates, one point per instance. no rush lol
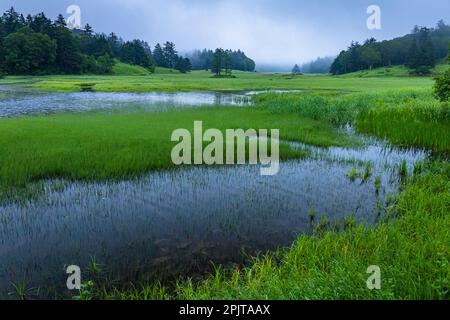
(339, 109)
(405, 117)
(421, 124)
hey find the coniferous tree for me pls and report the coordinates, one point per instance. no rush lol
(421, 56)
(217, 62)
(68, 53)
(183, 65)
(170, 54)
(12, 21)
(60, 21)
(296, 70)
(158, 56)
(228, 62)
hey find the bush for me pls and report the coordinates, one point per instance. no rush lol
(105, 64)
(442, 86)
(102, 65)
(88, 64)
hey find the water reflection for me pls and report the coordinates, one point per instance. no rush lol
(16, 103)
(175, 223)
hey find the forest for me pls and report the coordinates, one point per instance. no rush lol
(419, 51)
(36, 45)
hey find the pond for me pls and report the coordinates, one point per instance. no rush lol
(176, 223)
(15, 103)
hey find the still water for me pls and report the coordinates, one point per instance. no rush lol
(32, 103)
(177, 223)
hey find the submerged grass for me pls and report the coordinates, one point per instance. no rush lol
(100, 146)
(412, 251)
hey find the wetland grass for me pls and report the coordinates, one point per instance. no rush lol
(412, 251)
(409, 243)
(101, 146)
(201, 80)
(406, 117)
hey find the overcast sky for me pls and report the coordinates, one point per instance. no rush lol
(269, 31)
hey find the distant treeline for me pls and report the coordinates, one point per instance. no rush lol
(320, 65)
(419, 51)
(38, 45)
(203, 60)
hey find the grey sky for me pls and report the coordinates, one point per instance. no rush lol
(278, 32)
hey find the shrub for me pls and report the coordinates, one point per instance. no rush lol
(442, 86)
(105, 64)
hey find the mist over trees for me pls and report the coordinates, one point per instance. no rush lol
(419, 51)
(167, 56)
(222, 63)
(296, 70)
(203, 59)
(38, 45)
(320, 65)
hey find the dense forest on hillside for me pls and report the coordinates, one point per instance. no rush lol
(38, 45)
(203, 59)
(419, 51)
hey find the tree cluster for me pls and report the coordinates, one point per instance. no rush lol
(167, 56)
(38, 45)
(419, 51)
(222, 63)
(203, 59)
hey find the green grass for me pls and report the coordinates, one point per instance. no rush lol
(161, 70)
(124, 69)
(411, 245)
(407, 117)
(166, 80)
(394, 71)
(410, 124)
(412, 250)
(99, 146)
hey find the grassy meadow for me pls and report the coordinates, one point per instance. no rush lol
(411, 244)
(126, 80)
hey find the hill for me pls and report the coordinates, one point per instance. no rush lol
(393, 71)
(125, 69)
(419, 51)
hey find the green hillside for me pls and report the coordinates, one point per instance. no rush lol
(124, 69)
(394, 71)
